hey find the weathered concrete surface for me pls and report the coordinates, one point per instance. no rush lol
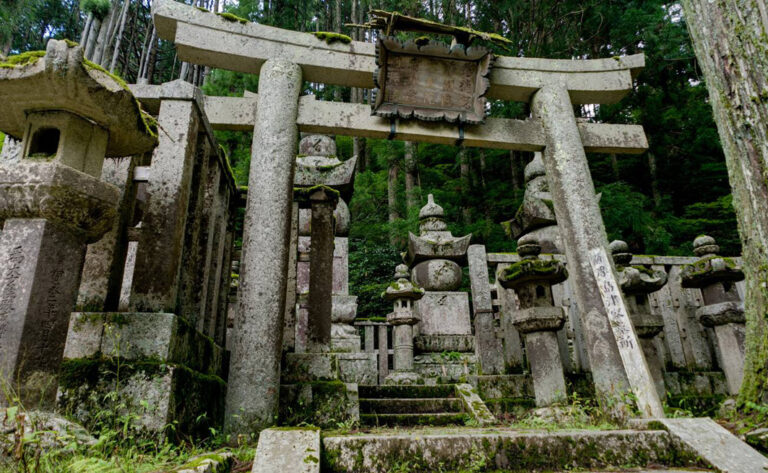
(501, 449)
(321, 273)
(357, 367)
(582, 228)
(204, 38)
(714, 444)
(253, 405)
(291, 450)
(322, 404)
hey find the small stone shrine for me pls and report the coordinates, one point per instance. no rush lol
(403, 293)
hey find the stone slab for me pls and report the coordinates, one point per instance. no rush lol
(474, 405)
(501, 449)
(324, 404)
(444, 313)
(288, 450)
(717, 446)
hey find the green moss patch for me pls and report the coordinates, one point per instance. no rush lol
(23, 59)
(233, 18)
(331, 37)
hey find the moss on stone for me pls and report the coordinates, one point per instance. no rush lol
(233, 18)
(23, 59)
(146, 121)
(331, 37)
(302, 194)
(203, 9)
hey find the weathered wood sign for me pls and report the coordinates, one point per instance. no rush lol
(431, 81)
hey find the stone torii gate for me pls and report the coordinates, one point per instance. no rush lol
(284, 59)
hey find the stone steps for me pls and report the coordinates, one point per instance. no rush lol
(407, 406)
(500, 449)
(410, 405)
(435, 419)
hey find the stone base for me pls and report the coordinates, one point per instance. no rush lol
(140, 336)
(345, 344)
(446, 368)
(164, 363)
(160, 394)
(359, 367)
(443, 343)
(323, 404)
(403, 378)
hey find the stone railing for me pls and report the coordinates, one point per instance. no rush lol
(685, 346)
(377, 338)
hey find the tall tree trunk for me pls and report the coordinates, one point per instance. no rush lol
(655, 192)
(412, 197)
(615, 166)
(729, 40)
(466, 212)
(120, 32)
(516, 167)
(93, 33)
(394, 215)
(152, 57)
(481, 174)
(86, 30)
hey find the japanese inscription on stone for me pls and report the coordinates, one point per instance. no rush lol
(10, 281)
(631, 353)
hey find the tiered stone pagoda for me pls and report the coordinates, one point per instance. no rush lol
(436, 258)
(403, 293)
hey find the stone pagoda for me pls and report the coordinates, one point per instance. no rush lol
(436, 258)
(70, 114)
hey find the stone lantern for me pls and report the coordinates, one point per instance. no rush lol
(538, 319)
(636, 283)
(70, 114)
(723, 310)
(403, 293)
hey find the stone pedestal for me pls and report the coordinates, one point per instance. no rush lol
(321, 271)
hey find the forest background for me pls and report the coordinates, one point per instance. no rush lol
(658, 201)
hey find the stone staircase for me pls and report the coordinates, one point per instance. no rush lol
(411, 406)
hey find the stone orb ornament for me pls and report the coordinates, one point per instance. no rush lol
(437, 275)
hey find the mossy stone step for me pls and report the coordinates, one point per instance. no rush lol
(501, 449)
(410, 406)
(406, 392)
(406, 420)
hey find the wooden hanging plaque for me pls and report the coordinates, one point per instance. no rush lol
(431, 81)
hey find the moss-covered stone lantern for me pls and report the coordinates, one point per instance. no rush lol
(403, 293)
(538, 318)
(723, 309)
(70, 114)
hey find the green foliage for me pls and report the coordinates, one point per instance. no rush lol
(99, 8)
(371, 269)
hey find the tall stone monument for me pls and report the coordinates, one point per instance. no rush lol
(70, 115)
(436, 258)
